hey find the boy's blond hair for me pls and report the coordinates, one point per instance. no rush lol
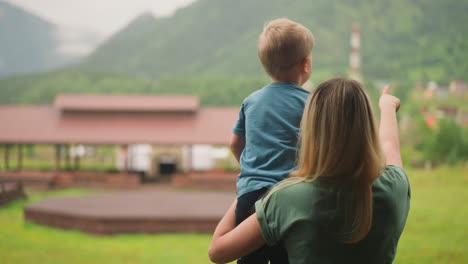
(282, 45)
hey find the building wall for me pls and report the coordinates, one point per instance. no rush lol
(163, 153)
(148, 158)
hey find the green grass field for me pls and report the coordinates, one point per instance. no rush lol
(436, 232)
(437, 227)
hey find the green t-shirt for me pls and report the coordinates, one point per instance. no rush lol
(304, 218)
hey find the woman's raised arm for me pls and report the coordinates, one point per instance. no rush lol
(388, 131)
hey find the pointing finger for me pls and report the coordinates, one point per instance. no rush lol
(386, 89)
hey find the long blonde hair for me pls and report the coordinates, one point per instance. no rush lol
(339, 140)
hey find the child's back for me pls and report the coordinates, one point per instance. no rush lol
(269, 118)
(265, 135)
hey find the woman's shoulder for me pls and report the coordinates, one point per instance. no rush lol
(393, 181)
(393, 174)
(300, 194)
(299, 188)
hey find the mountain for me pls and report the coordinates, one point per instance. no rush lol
(418, 40)
(28, 42)
(209, 49)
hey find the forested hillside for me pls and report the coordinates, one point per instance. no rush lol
(209, 49)
(42, 88)
(27, 42)
(416, 39)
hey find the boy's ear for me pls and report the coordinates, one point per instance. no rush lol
(306, 64)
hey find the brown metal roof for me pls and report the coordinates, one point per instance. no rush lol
(47, 124)
(126, 103)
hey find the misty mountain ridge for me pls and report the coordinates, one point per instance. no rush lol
(417, 40)
(33, 44)
(209, 49)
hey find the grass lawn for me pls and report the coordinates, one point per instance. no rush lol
(22, 242)
(436, 232)
(437, 227)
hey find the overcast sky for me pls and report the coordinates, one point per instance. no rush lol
(101, 16)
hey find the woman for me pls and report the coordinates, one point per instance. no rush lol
(349, 198)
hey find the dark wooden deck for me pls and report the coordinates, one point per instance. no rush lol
(144, 211)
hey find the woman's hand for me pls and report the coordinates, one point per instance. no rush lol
(388, 101)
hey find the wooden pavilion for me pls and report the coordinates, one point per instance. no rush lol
(162, 121)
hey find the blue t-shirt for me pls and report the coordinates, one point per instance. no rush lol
(269, 119)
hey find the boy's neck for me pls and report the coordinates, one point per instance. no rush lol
(298, 80)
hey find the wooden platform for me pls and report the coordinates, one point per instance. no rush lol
(133, 212)
(206, 180)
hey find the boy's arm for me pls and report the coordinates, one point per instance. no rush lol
(237, 145)
(388, 130)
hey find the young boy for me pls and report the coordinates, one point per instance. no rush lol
(265, 135)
